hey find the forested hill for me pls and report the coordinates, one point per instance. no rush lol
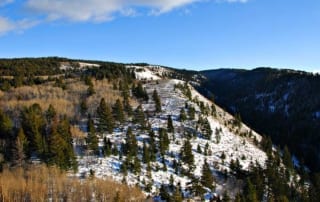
(283, 104)
(142, 125)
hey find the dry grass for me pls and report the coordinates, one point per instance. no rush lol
(40, 183)
(64, 101)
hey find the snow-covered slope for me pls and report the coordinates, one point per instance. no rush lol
(227, 143)
(149, 72)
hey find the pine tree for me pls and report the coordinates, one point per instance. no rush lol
(6, 125)
(146, 153)
(287, 159)
(163, 141)
(157, 101)
(191, 113)
(170, 125)
(92, 140)
(186, 153)
(105, 119)
(50, 113)
(118, 111)
(33, 124)
(83, 107)
(183, 115)
(177, 196)
(207, 179)
(250, 192)
(131, 146)
(140, 117)
(107, 146)
(164, 193)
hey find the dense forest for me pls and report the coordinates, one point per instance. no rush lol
(283, 104)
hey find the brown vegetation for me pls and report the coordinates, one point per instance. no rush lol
(40, 183)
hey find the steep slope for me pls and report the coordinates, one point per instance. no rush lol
(224, 141)
(284, 104)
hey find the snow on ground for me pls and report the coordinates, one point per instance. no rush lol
(84, 64)
(144, 73)
(232, 145)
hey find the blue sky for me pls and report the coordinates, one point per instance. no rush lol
(191, 34)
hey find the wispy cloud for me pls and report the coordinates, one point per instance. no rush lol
(102, 10)
(90, 10)
(6, 25)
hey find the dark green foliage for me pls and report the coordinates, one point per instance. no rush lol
(118, 112)
(204, 127)
(287, 159)
(60, 148)
(186, 153)
(140, 92)
(146, 153)
(163, 141)
(196, 187)
(183, 115)
(157, 101)
(33, 124)
(295, 96)
(131, 146)
(83, 107)
(191, 113)
(170, 125)
(92, 139)
(164, 193)
(50, 113)
(105, 118)
(107, 146)
(139, 117)
(207, 179)
(6, 125)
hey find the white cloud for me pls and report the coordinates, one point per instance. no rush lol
(103, 10)
(7, 25)
(90, 10)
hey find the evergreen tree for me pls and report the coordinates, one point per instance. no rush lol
(92, 139)
(140, 117)
(186, 153)
(163, 141)
(191, 113)
(33, 124)
(140, 92)
(207, 179)
(287, 159)
(118, 111)
(50, 113)
(131, 146)
(6, 125)
(164, 193)
(105, 119)
(177, 196)
(107, 146)
(170, 125)
(83, 107)
(250, 192)
(146, 153)
(157, 101)
(183, 115)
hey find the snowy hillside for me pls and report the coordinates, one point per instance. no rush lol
(149, 72)
(225, 146)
